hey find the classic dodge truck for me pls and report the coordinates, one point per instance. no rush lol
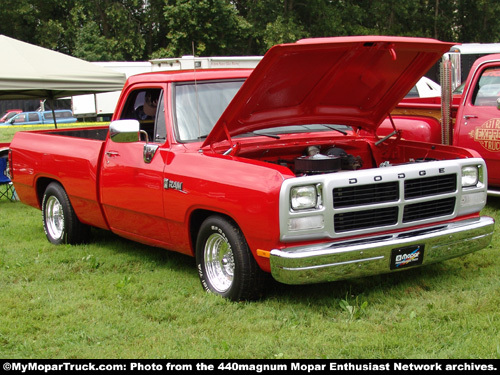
(276, 170)
(471, 120)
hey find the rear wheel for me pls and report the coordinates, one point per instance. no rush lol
(59, 220)
(225, 264)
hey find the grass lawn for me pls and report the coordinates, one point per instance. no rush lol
(114, 298)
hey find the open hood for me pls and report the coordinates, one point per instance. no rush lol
(354, 81)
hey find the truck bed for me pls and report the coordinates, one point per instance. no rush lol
(70, 156)
(97, 133)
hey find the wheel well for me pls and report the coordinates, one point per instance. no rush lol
(197, 218)
(41, 186)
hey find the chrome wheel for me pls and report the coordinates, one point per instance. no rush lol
(224, 262)
(219, 262)
(60, 223)
(54, 218)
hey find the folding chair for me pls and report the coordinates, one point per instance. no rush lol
(6, 187)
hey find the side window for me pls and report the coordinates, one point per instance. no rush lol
(160, 124)
(20, 118)
(33, 117)
(487, 91)
(146, 106)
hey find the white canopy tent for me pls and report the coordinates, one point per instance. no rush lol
(31, 72)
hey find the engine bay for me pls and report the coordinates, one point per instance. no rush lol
(334, 159)
(308, 158)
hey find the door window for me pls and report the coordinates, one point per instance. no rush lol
(146, 106)
(487, 90)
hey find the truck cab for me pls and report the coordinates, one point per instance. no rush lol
(477, 124)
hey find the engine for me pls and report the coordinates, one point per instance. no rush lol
(333, 160)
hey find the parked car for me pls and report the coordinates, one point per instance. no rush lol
(46, 117)
(8, 114)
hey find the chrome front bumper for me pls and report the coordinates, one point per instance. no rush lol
(370, 256)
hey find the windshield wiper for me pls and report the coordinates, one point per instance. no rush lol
(334, 128)
(275, 136)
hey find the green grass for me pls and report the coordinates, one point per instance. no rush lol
(113, 298)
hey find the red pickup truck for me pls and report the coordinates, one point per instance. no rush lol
(473, 119)
(276, 170)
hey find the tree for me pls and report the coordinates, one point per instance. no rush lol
(99, 30)
(108, 28)
(214, 27)
(478, 21)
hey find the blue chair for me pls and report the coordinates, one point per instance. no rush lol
(6, 187)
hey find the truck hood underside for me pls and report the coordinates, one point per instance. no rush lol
(353, 81)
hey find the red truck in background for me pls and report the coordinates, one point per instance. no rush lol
(277, 170)
(469, 117)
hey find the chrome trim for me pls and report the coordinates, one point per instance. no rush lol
(149, 152)
(399, 173)
(371, 255)
(494, 193)
(124, 131)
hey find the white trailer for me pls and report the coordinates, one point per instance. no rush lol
(192, 62)
(101, 106)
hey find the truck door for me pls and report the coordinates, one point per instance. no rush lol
(131, 186)
(478, 119)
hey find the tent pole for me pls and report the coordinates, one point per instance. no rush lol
(52, 102)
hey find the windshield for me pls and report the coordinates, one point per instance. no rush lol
(199, 106)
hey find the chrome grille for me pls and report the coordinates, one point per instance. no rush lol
(352, 196)
(428, 209)
(365, 219)
(370, 195)
(428, 186)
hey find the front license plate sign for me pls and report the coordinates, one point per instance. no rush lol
(407, 256)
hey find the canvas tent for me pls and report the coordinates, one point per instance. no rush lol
(31, 72)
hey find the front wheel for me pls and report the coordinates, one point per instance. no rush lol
(225, 264)
(59, 220)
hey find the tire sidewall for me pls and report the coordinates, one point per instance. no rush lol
(216, 225)
(54, 190)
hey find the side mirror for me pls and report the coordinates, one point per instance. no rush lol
(124, 131)
(129, 131)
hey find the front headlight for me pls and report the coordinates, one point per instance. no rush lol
(470, 176)
(304, 197)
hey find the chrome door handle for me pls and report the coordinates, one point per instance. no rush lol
(112, 154)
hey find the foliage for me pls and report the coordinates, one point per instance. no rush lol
(213, 26)
(142, 29)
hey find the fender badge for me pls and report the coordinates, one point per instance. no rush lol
(170, 184)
